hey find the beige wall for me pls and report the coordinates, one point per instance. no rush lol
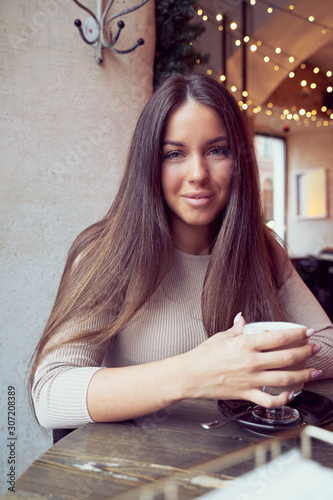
(309, 148)
(65, 128)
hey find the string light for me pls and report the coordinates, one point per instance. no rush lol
(294, 114)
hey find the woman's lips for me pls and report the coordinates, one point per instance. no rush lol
(198, 199)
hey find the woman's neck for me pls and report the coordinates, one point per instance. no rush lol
(194, 240)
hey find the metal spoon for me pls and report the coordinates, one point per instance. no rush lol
(218, 423)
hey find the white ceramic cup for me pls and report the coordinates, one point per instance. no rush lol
(270, 326)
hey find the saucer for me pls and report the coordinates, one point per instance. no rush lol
(313, 408)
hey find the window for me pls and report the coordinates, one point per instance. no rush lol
(271, 158)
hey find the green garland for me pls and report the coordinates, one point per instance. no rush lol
(175, 36)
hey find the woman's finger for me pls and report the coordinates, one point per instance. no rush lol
(283, 378)
(283, 358)
(273, 340)
(267, 400)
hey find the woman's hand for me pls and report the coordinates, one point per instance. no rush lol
(230, 365)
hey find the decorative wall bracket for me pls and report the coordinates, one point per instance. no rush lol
(96, 30)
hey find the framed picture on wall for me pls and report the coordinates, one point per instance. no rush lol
(311, 194)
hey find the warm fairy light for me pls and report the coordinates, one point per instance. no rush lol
(308, 114)
(286, 112)
(259, 43)
(253, 2)
(283, 117)
(276, 67)
(253, 47)
(318, 124)
(328, 73)
(296, 117)
(304, 83)
(313, 118)
(313, 85)
(197, 61)
(238, 43)
(200, 12)
(266, 59)
(314, 112)
(223, 78)
(220, 28)
(291, 74)
(246, 39)
(331, 116)
(209, 72)
(289, 116)
(316, 70)
(219, 17)
(270, 10)
(278, 50)
(311, 19)
(324, 109)
(204, 18)
(291, 59)
(329, 89)
(303, 66)
(233, 88)
(291, 7)
(325, 123)
(323, 31)
(302, 112)
(245, 93)
(233, 26)
(244, 105)
(268, 112)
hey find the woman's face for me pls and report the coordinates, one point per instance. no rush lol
(196, 169)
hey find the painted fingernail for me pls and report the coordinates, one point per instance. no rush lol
(316, 373)
(316, 348)
(291, 396)
(236, 318)
(309, 332)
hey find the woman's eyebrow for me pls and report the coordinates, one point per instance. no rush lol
(217, 139)
(172, 143)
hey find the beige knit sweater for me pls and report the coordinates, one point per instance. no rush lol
(170, 323)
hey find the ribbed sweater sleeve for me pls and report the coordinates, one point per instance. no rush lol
(302, 307)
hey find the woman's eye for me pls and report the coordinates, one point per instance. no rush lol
(220, 151)
(172, 155)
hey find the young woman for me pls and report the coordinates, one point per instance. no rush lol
(144, 314)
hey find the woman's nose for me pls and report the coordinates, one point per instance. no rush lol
(197, 171)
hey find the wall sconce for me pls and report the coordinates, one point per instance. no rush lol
(96, 30)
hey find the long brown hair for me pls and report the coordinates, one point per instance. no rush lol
(114, 266)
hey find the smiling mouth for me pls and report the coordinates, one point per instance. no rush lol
(198, 196)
